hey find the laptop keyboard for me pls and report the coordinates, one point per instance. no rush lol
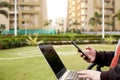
(72, 75)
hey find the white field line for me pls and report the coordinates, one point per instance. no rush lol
(18, 58)
(34, 54)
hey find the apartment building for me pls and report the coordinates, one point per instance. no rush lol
(83, 10)
(108, 12)
(74, 13)
(3, 19)
(30, 14)
(117, 8)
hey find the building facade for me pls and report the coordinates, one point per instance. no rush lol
(82, 11)
(74, 13)
(30, 14)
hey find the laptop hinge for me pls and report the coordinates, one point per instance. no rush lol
(60, 73)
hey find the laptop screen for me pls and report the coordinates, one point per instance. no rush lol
(53, 59)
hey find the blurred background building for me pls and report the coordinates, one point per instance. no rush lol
(32, 14)
(81, 11)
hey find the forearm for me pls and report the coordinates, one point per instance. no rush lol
(104, 57)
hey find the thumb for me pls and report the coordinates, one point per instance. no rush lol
(88, 48)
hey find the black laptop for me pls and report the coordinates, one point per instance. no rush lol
(56, 64)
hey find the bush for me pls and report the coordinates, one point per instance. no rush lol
(7, 42)
(109, 39)
(32, 41)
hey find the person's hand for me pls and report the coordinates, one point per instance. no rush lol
(90, 52)
(89, 74)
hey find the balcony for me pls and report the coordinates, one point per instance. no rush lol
(108, 13)
(29, 11)
(83, 0)
(12, 12)
(107, 0)
(84, 7)
(12, 1)
(29, 3)
(108, 20)
(108, 6)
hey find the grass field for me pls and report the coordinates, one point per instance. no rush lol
(26, 63)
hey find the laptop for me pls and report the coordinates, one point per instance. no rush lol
(56, 64)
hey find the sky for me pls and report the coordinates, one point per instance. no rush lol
(56, 8)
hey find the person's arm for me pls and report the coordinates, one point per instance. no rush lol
(104, 57)
(100, 57)
(111, 74)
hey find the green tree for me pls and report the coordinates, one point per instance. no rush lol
(60, 24)
(75, 24)
(117, 15)
(4, 4)
(2, 27)
(95, 21)
(111, 24)
(47, 22)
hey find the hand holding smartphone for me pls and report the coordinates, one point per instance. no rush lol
(79, 50)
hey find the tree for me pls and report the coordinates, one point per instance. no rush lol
(117, 15)
(47, 22)
(95, 21)
(2, 27)
(4, 5)
(112, 25)
(76, 24)
(60, 26)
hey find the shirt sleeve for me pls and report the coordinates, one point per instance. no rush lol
(104, 57)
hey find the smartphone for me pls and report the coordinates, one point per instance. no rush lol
(79, 49)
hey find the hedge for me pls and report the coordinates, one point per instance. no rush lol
(7, 42)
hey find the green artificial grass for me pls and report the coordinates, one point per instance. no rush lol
(26, 63)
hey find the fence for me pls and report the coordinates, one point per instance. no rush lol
(29, 32)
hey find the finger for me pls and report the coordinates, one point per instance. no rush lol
(88, 47)
(82, 72)
(82, 76)
(86, 58)
(81, 55)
